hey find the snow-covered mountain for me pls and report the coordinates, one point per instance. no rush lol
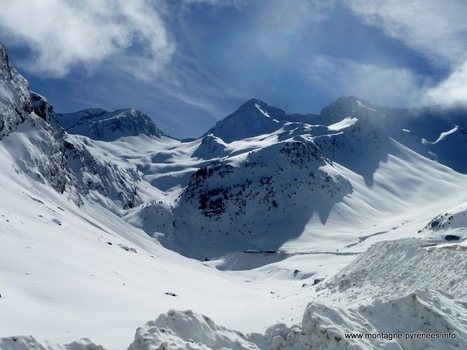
(259, 199)
(253, 118)
(303, 220)
(99, 124)
(438, 133)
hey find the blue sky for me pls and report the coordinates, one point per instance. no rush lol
(189, 63)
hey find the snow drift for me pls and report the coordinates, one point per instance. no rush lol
(419, 320)
(29, 342)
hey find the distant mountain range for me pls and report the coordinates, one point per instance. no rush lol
(234, 187)
(258, 162)
(246, 172)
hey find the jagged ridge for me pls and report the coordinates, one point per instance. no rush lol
(108, 126)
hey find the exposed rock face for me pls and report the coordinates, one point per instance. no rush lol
(43, 150)
(90, 174)
(21, 110)
(15, 102)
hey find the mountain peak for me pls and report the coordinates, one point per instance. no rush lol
(100, 124)
(253, 118)
(251, 103)
(345, 107)
(264, 108)
(352, 101)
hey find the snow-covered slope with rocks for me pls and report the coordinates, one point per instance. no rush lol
(436, 133)
(258, 199)
(305, 220)
(29, 342)
(29, 131)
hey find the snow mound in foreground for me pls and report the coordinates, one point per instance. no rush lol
(26, 343)
(396, 310)
(187, 330)
(379, 301)
(392, 269)
(419, 320)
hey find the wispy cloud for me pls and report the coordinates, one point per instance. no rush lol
(215, 2)
(197, 60)
(436, 29)
(384, 86)
(65, 34)
(116, 41)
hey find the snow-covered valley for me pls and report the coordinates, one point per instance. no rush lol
(285, 231)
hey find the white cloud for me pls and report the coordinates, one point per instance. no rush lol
(66, 33)
(383, 86)
(437, 29)
(452, 90)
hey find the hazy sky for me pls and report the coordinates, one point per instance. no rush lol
(189, 63)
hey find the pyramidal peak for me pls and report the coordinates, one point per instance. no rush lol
(345, 107)
(263, 108)
(253, 118)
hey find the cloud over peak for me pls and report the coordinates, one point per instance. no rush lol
(452, 90)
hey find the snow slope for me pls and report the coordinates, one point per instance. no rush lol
(87, 270)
